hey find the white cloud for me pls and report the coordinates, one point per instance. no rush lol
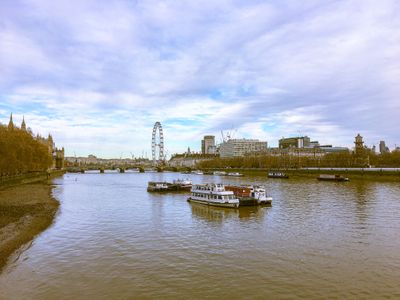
(94, 71)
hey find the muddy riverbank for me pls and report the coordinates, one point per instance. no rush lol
(25, 211)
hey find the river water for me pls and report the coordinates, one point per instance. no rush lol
(113, 240)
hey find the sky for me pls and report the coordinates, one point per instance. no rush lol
(97, 74)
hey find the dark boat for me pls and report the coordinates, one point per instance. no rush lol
(277, 175)
(177, 186)
(158, 187)
(328, 177)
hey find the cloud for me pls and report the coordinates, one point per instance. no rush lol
(100, 71)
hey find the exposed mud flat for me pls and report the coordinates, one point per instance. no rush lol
(25, 211)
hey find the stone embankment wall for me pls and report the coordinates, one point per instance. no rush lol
(29, 177)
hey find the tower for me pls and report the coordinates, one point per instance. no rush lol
(359, 144)
(23, 125)
(208, 144)
(382, 147)
(11, 124)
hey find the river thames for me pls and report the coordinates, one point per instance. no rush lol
(113, 240)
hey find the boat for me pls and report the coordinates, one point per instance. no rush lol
(198, 172)
(277, 175)
(214, 195)
(235, 174)
(219, 173)
(183, 184)
(251, 195)
(176, 186)
(329, 177)
(157, 186)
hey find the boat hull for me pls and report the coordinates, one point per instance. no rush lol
(277, 176)
(250, 201)
(333, 179)
(157, 190)
(217, 204)
(171, 188)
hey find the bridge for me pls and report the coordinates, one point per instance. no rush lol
(119, 168)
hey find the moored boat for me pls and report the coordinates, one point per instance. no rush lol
(329, 177)
(219, 173)
(198, 172)
(235, 174)
(157, 186)
(183, 184)
(250, 195)
(214, 195)
(176, 186)
(277, 175)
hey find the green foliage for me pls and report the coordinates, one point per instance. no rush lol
(21, 153)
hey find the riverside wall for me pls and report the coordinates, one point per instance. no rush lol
(31, 177)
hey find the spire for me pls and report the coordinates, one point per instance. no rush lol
(11, 124)
(23, 125)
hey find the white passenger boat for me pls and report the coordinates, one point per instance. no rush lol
(214, 195)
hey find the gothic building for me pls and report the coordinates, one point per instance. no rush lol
(56, 153)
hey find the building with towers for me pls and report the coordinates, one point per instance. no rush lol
(56, 153)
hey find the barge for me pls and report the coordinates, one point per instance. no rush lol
(176, 186)
(329, 177)
(157, 186)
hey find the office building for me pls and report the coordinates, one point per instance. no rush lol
(296, 142)
(241, 147)
(208, 145)
(382, 147)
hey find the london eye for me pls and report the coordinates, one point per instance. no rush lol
(157, 144)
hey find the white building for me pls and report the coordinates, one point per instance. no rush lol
(241, 147)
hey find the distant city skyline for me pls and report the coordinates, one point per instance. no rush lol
(98, 75)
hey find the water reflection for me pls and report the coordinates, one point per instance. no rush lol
(219, 214)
